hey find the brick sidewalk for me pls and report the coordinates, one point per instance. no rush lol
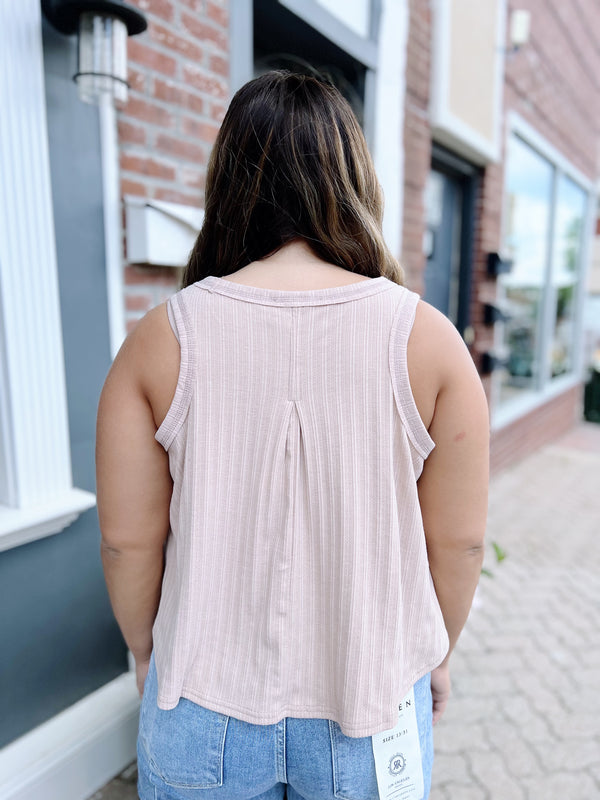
(524, 719)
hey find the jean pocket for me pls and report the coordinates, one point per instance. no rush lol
(354, 776)
(184, 745)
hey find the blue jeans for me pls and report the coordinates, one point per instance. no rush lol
(192, 753)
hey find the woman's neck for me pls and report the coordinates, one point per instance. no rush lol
(294, 267)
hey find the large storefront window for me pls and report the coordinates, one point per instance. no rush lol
(543, 233)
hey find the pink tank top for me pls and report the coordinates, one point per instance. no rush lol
(296, 579)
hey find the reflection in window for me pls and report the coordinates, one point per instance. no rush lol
(544, 222)
(570, 214)
(528, 198)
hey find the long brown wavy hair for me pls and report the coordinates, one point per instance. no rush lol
(291, 162)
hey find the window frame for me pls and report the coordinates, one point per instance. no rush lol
(39, 497)
(469, 175)
(363, 49)
(384, 55)
(547, 387)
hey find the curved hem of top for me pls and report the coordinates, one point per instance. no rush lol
(331, 294)
(298, 712)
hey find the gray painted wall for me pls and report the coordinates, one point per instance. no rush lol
(59, 638)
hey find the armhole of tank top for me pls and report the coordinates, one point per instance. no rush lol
(402, 325)
(172, 320)
(178, 317)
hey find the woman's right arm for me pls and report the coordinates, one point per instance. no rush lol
(453, 487)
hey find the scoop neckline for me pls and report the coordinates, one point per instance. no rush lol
(330, 294)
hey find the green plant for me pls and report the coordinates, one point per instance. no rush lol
(500, 555)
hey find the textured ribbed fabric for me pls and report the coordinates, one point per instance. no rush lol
(296, 580)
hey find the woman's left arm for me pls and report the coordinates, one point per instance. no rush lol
(133, 482)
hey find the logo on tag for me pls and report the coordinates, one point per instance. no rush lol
(397, 764)
(397, 754)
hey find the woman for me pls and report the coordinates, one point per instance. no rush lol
(292, 479)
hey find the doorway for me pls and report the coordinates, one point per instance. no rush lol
(450, 221)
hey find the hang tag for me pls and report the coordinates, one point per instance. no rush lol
(398, 756)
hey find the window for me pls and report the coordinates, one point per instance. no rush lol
(544, 225)
(361, 44)
(287, 36)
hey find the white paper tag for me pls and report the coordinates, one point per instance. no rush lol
(398, 756)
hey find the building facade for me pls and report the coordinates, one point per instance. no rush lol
(503, 145)
(488, 158)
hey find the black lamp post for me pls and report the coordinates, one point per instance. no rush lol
(102, 27)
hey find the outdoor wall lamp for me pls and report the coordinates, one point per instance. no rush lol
(102, 27)
(491, 361)
(497, 265)
(493, 314)
(520, 27)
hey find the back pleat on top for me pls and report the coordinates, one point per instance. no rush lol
(296, 579)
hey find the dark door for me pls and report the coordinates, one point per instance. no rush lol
(450, 195)
(444, 202)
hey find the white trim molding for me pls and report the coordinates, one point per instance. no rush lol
(511, 411)
(518, 126)
(111, 203)
(35, 458)
(388, 145)
(73, 754)
(447, 128)
(19, 526)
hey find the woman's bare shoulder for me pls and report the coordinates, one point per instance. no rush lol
(434, 335)
(437, 359)
(149, 360)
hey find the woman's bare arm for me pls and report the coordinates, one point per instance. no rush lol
(132, 473)
(453, 488)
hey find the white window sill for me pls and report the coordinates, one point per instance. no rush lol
(519, 406)
(21, 525)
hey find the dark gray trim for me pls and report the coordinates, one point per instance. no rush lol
(371, 77)
(376, 10)
(241, 40)
(451, 162)
(60, 638)
(470, 178)
(363, 50)
(369, 107)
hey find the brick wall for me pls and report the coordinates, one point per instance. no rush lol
(489, 231)
(179, 90)
(530, 432)
(553, 84)
(178, 71)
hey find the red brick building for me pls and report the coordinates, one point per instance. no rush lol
(549, 95)
(488, 157)
(180, 82)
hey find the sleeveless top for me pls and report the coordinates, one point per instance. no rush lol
(296, 578)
